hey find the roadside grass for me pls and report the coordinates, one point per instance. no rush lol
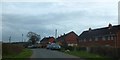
(88, 56)
(15, 52)
(24, 55)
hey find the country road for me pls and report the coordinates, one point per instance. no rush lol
(45, 53)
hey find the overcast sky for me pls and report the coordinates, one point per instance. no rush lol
(44, 17)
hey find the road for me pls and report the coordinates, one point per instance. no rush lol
(45, 53)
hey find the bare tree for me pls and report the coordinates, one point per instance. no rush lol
(33, 37)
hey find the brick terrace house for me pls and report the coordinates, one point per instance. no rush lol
(107, 36)
(47, 40)
(69, 39)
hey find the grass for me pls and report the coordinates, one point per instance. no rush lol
(26, 53)
(87, 55)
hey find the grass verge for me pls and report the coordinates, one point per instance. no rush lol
(26, 53)
(87, 55)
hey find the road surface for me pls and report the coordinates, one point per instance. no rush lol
(45, 53)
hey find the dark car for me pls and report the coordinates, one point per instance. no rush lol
(34, 46)
(54, 46)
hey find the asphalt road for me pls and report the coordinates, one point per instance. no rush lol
(45, 53)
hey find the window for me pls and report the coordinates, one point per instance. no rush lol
(79, 40)
(112, 37)
(75, 44)
(96, 39)
(107, 45)
(70, 44)
(84, 40)
(103, 38)
(90, 39)
(108, 37)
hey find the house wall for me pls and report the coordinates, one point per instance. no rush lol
(71, 38)
(99, 42)
(51, 40)
(118, 39)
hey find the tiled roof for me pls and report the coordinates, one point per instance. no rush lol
(61, 37)
(99, 32)
(46, 38)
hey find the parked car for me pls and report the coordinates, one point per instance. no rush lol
(34, 46)
(30, 46)
(53, 46)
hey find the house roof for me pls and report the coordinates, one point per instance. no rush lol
(46, 39)
(62, 36)
(99, 32)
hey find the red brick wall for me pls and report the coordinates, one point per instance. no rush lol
(71, 38)
(98, 43)
(51, 40)
(118, 39)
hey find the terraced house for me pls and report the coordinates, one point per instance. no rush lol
(47, 40)
(69, 39)
(106, 36)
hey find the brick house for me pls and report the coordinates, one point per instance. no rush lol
(106, 36)
(69, 39)
(47, 40)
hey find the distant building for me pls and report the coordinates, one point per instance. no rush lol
(107, 36)
(47, 40)
(69, 39)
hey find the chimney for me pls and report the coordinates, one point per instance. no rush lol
(64, 33)
(110, 26)
(90, 29)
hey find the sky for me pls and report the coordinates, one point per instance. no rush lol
(44, 17)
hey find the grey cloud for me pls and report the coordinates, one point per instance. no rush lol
(65, 19)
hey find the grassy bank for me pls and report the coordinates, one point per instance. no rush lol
(15, 51)
(26, 53)
(87, 55)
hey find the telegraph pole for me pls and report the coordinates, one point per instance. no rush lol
(10, 39)
(55, 34)
(22, 38)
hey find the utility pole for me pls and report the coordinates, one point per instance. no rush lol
(55, 34)
(10, 39)
(22, 38)
(39, 39)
